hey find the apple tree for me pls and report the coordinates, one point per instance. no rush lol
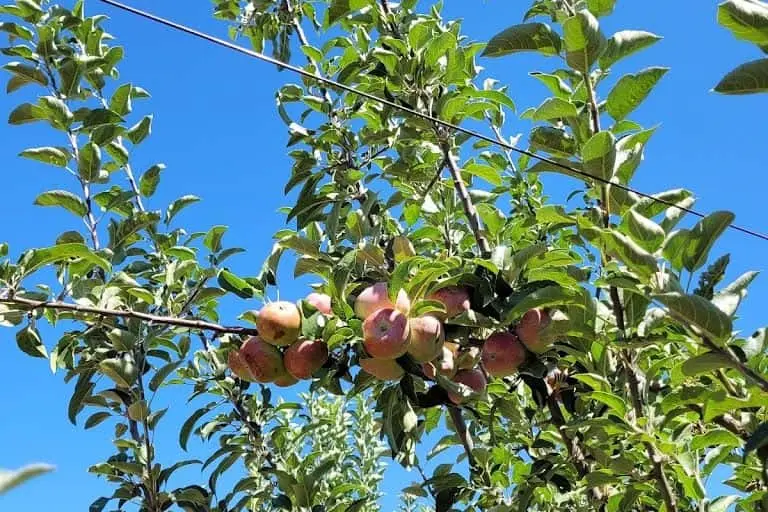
(578, 357)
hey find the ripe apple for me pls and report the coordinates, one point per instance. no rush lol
(382, 369)
(454, 298)
(426, 338)
(376, 297)
(321, 302)
(279, 323)
(474, 378)
(264, 361)
(238, 366)
(502, 354)
(529, 330)
(305, 357)
(444, 363)
(385, 334)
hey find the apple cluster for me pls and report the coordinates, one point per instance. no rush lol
(389, 332)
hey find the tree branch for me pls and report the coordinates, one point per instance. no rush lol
(475, 223)
(463, 433)
(199, 325)
(750, 374)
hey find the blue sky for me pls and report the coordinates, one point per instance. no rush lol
(217, 131)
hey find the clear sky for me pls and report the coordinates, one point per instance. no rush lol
(217, 130)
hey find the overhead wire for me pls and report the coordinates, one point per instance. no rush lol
(445, 124)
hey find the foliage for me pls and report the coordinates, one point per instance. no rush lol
(11, 479)
(748, 21)
(646, 390)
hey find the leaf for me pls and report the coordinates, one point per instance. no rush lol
(37, 258)
(583, 41)
(140, 131)
(537, 37)
(549, 296)
(616, 404)
(101, 117)
(212, 239)
(27, 73)
(554, 83)
(96, 418)
(757, 440)
(138, 411)
(120, 369)
(631, 90)
(718, 437)
(162, 374)
(599, 155)
(236, 285)
(150, 179)
(29, 342)
(624, 43)
(82, 390)
(601, 7)
(178, 205)
(26, 113)
(48, 155)
(438, 47)
(555, 108)
(643, 230)
(703, 236)
(552, 140)
(485, 172)
(189, 424)
(749, 78)
(705, 363)
(699, 312)
(593, 380)
(63, 198)
(11, 479)
(89, 162)
(746, 19)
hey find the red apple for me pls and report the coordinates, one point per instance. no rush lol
(376, 297)
(385, 334)
(473, 378)
(279, 323)
(454, 298)
(305, 357)
(321, 302)
(264, 360)
(502, 354)
(238, 366)
(529, 330)
(426, 338)
(444, 363)
(382, 369)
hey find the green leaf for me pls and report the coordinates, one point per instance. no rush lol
(624, 43)
(643, 230)
(593, 380)
(555, 108)
(583, 41)
(601, 7)
(438, 47)
(757, 440)
(616, 404)
(189, 424)
(213, 238)
(11, 479)
(705, 363)
(703, 236)
(26, 113)
(29, 342)
(150, 179)
(63, 198)
(96, 418)
(37, 258)
(554, 83)
(698, 312)
(631, 254)
(138, 411)
(236, 285)
(527, 37)
(485, 172)
(748, 78)
(178, 205)
(121, 100)
(631, 90)
(599, 155)
(27, 73)
(162, 374)
(120, 369)
(746, 19)
(89, 162)
(101, 117)
(17, 30)
(718, 437)
(549, 296)
(552, 140)
(48, 155)
(140, 131)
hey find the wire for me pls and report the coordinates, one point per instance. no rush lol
(416, 113)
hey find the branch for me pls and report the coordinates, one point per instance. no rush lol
(750, 374)
(475, 223)
(199, 325)
(463, 433)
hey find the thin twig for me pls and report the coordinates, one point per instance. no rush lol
(475, 223)
(199, 325)
(463, 433)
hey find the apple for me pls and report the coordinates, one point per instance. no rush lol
(286, 380)
(502, 354)
(279, 323)
(444, 363)
(264, 361)
(321, 302)
(530, 328)
(382, 369)
(474, 378)
(467, 358)
(454, 298)
(385, 334)
(426, 338)
(238, 366)
(305, 357)
(376, 297)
